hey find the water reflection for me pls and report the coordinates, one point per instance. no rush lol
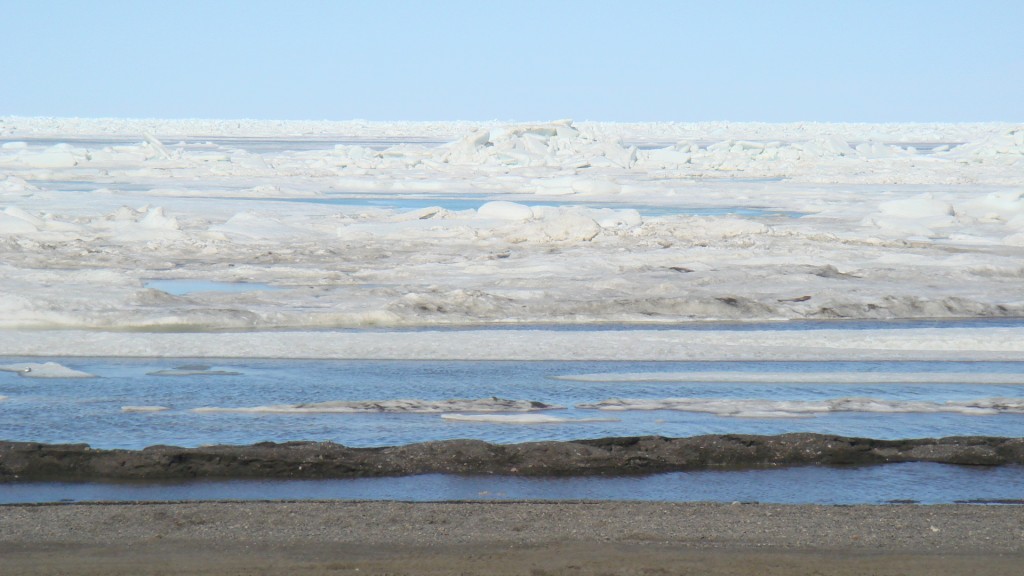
(919, 483)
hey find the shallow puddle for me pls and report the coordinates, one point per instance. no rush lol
(184, 287)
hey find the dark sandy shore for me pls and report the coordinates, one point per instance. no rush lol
(522, 538)
(503, 538)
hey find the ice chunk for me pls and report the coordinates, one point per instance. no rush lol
(555, 186)
(253, 226)
(148, 224)
(502, 210)
(157, 145)
(619, 155)
(392, 406)
(1014, 239)
(427, 213)
(19, 213)
(1004, 205)
(920, 206)
(618, 218)
(15, 185)
(12, 224)
(157, 220)
(751, 408)
(522, 419)
(571, 227)
(594, 186)
(53, 158)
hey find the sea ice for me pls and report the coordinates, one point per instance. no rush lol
(391, 406)
(802, 222)
(803, 377)
(978, 343)
(521, 419)
(502, 210)
(804, 408)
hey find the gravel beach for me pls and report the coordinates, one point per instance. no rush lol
(529, 538)
(25, 461)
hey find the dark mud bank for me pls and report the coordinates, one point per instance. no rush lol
(23, 461)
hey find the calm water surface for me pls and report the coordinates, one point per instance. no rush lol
(876, 399)
(911, 483)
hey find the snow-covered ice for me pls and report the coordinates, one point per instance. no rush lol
(806, 408)
(836, 344)
(580, 223)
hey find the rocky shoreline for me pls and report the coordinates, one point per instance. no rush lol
(24, 461)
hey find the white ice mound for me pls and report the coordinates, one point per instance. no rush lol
(1005, 148)
(427, 213)
(12, 221)
(143, 409)
(522, 419)
(1004, 205)
(919, 216)
(391, 406)
(921, 206)
(608, 218)
(143, 225)
(802, 378)
(557, 144)
(45, 370)
(503, 210)
(253, 226)
(744, 408)
(157, 220)
(57, 156)
(571, 226)
(14, 185)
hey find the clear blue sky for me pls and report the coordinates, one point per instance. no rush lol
(815, 60)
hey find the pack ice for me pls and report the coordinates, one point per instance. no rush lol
(359, 224)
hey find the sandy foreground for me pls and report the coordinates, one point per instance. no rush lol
(530, 538)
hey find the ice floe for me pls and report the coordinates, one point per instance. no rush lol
(44, 370)
(806, 408)
(521, 419)
(802, 377)
(193, 370)
(390, 406)
(925, 343)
